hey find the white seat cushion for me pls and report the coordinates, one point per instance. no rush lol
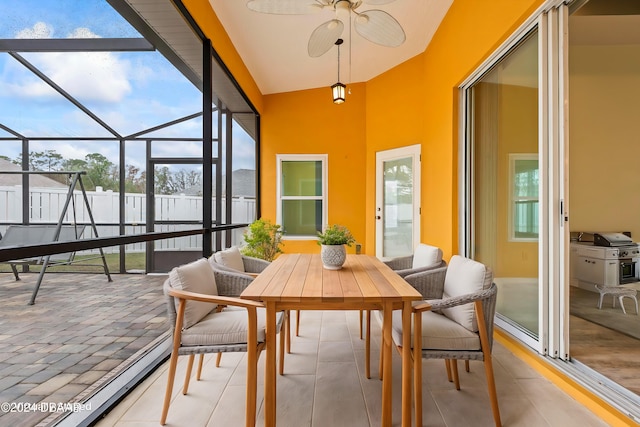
(194, 277)
(226, 327)
(231, 258)
(438, 333)
(426, 256)
(465, 276)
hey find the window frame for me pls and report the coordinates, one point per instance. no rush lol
(513, 199)
(324, 159)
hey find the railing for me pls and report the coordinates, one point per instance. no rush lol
(45, 205)
(24, 251)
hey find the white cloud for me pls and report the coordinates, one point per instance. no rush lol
(95, 76)
(82, 33)
(40, 30)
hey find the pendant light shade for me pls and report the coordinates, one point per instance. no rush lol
(338, 89)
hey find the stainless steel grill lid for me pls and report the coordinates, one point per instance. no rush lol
(611, 239)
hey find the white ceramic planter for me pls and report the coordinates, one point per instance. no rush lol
(333, 256)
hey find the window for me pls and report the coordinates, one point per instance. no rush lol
(523, 171)
(302, 194)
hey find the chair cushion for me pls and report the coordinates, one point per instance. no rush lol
(231, 258)
(438, 333)
(426, 256)
(196, 276)
(227, 327)
(465, 276)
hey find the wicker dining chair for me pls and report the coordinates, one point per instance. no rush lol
(232, 260)
(208, 318)
(424, 258)
(457, 325)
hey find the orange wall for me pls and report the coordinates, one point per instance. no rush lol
(423, 108)
(416, 102)
(308, 122)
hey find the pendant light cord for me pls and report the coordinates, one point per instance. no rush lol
(350, 38)
(338, 63)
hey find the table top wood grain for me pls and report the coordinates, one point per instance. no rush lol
(300, 279)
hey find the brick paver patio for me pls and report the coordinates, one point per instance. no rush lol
(81, 329)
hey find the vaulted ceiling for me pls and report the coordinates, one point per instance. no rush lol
(274, 47)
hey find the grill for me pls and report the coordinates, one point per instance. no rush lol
(608, 259)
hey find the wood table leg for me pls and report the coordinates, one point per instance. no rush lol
(367, 346)
(387, 371)
(406, 364)
(270, 368)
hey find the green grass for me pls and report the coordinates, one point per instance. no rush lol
(91, 264)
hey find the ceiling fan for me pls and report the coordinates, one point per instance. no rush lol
(374, 25)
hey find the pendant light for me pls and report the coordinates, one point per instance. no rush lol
(338, 89)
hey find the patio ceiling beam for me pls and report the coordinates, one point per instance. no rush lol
(76, 45)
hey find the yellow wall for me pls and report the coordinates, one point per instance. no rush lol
(308, 122)
(416, 102)
(604, 150)
(423, 108)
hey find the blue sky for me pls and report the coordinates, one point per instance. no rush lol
(130, 91)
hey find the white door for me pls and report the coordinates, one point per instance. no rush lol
(397, 201)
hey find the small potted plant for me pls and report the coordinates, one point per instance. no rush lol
(333, 241)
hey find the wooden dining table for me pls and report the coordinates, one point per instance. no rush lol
(299, 282)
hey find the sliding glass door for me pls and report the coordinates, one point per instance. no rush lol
(513, 188)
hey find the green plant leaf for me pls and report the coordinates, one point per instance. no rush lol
(336, 235)
(263, 240)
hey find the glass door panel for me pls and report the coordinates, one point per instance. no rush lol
(177, 205)
(506, 182)
(397, 212)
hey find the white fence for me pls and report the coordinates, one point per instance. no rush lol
(46, 205)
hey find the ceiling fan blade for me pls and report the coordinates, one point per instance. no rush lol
(324, 37)
(379, 27)
(286, 7)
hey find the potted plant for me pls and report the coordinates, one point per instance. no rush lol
(333, 241)
(263, 240)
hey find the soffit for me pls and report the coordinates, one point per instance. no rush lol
(162, 24)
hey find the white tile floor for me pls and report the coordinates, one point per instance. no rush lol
(324, 385)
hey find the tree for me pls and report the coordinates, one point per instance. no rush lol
(185, 179)
(101, 172)
(75, 165)
(43, 161)
(135, 181)
(162, 179)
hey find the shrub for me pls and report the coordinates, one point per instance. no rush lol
(263, 240)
